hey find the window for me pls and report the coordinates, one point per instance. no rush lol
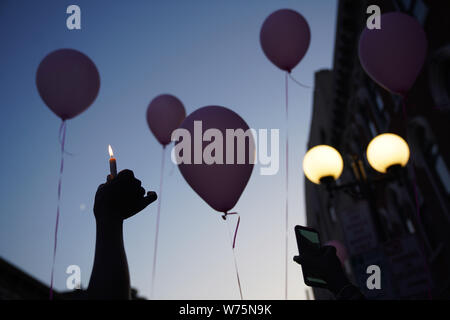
(420, 10)
(406, 4)
(372, 128)
(443, 173)
(332, 212)
(381, 113)
(434, 150)
(379, 101)
(438, 77)
(403, 5)
(410, 226)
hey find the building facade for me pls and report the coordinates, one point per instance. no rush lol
(18, 285)
(402, 226)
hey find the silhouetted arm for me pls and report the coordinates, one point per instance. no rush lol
(110, 277)
(327, 265)
(115, 201)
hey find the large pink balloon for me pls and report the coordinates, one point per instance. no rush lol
(165, 114)
(220, 185)
(285, 38)
(341, 250)
(394, 55)
(68, 82)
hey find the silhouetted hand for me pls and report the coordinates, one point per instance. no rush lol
(325, 264)
(121, 197)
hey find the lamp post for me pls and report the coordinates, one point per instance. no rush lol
(387, 153)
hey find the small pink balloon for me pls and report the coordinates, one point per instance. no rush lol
(285, 38)
(341, 250)
(68, 82)
(219, 185)
(393, 56)
(165, 114)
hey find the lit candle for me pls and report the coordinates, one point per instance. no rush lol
(112, 162)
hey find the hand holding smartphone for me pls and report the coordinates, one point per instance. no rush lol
(308, 243)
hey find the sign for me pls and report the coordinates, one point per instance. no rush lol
(358, 228)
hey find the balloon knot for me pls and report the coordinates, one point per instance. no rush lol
(225, 214)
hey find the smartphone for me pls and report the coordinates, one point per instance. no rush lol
(304, 234)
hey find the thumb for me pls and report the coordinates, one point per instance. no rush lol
(151, 197)
(298, 259)
(145, 201)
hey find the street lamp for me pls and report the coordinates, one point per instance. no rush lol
(387, 150)
(387, 153)
(322, 162)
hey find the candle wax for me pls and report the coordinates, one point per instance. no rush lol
(113, 166)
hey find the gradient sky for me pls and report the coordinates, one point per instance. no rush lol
(204, 52)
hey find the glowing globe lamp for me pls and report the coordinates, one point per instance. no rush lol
(321, 162)
(387, 150)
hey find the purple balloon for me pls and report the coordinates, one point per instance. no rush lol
(165, 114)
(68, 82)
(341, 250)
(285, 38)
(394, 55)
(220, 185)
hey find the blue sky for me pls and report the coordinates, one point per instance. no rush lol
(205, 53)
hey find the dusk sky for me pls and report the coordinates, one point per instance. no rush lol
(205, 53)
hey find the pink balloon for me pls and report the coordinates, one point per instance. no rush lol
(165, 114)
(285, 38)
(219, 185)
(68, 82)
(394, 55)
(341, 250)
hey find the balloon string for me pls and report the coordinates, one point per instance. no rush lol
(233, 244)
(155, 251)
(172, 168)
(416, 198)
(287, 189)
(62, 131)
(61, 128)
(224, 217)
(298, 82)
(236, 231)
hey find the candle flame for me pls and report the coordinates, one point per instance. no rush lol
(111, 153)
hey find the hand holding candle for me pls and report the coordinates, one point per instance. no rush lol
(112, 162)
(122, 194)
(116, 200)
(121, 197)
